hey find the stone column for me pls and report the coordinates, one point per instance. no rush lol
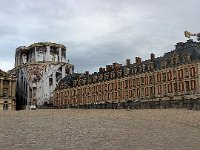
(60, 54)
(35, 51)
(1, 90)
(54, 79)
(10, 88)
(48, 53)
(48, 90)
(63, 72)
(30, 55)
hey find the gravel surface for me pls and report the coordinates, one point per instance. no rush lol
(156, 129)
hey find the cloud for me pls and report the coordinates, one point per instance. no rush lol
(96, 32)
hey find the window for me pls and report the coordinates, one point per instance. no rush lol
(159, 89)
(109, 96)
(181, 86)
(193, 84)
(169, 75)
(180, 74)
(146, 80)
(138, 92)
(192, 71)
(158, 77)
(170, 88)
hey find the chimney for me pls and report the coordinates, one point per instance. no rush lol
(78, 77)
(109, 67)
(114, 65)
(138, 60)
(128, 63)
(87, 73)
(152, 56)
(100, 69)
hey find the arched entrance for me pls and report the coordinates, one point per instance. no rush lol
(5, 105)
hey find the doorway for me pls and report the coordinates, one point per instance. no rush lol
(5, 105)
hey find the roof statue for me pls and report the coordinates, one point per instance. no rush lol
(188, 34)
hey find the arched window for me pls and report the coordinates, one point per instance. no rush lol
(5, 105)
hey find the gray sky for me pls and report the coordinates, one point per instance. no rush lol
(96, 32)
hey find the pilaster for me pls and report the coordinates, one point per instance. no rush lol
(35, 54)
(10, 88)
(48, 53)
(60, 54)
(54, 79)
(1, 90)
(63, 72)
(13, 88)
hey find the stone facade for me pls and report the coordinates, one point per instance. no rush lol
(7, 91)
(39, 67)
(173, 77)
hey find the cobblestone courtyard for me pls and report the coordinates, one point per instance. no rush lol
(100, 129)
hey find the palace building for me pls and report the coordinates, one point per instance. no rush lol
(38, 68)
(173, 79)
(7, 91)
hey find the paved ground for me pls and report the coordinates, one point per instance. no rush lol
(100, 129)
